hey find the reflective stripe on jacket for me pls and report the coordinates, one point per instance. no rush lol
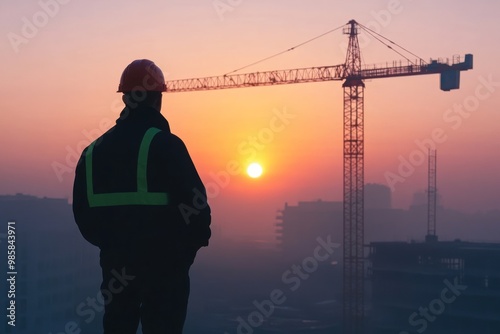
(141, 196)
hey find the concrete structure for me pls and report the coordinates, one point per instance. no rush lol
(435, 287)
(406, 277)
(299, 226)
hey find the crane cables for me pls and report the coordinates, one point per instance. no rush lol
(374, 34)
(285, 51)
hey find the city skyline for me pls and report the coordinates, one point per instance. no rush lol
(58, 278)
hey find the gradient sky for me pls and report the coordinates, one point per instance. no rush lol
(61, 62)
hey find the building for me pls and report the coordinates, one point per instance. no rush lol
(436, 287)
(377, 196)
(57, 270)
(298, 226)
(412, 287)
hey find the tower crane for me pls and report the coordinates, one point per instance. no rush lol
(353, 74)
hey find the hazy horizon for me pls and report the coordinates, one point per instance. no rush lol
(59, 272)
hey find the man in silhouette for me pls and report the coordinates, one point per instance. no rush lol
(138, 197)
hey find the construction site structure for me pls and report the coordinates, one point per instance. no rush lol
(353, 74)
(442, 287)
(432, 197)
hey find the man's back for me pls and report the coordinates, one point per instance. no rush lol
(115, 160)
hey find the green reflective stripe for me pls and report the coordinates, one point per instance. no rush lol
(142, 196)
(115, 199)
(142, 162)
(88, 170)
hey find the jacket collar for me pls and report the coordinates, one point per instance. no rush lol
(145, 115)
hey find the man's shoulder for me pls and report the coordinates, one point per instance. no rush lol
(168, 138)
(97, 141)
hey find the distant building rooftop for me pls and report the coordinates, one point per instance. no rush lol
(406, 276)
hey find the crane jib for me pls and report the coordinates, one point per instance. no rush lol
(450, 75)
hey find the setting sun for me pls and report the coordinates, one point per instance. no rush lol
(254, 170)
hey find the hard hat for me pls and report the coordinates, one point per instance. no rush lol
(142, 74)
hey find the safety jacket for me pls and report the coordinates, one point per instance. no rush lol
(136, 188)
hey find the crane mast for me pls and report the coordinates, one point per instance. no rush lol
(353, 74)
(353, 222)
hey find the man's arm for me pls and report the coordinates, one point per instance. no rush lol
(190, 195)
(87, 224)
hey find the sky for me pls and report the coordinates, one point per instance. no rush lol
(61, 61)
